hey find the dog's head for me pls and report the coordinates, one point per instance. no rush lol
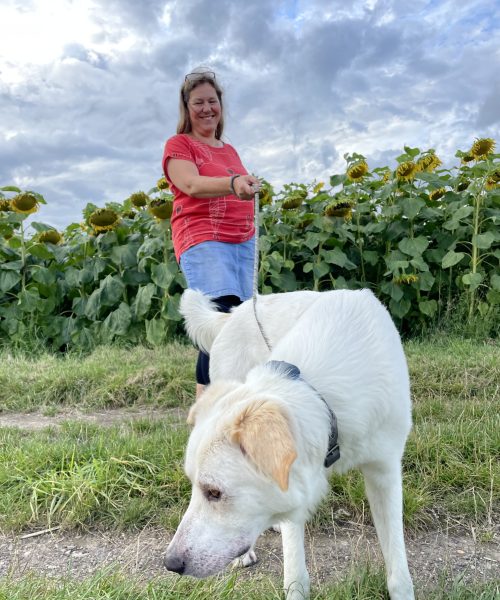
(238, 459)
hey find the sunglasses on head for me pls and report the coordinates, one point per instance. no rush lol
(200, 75)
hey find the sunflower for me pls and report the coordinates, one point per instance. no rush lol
(406, 279)
(129, 214)
(463, 184)
(428, 163)
(318, 187)
(51, 236)
(104, 219)
(266, 194)
(139, 199)
(436, 194)
(341, 207)
(294, 199)
(482, 147)
(357, 171)
(406, 171)
(467, 158)
(25, 203)
(162, 184)
(386, 175)
(161, 208)
(5, 205)
(496, 176)
(491, 183)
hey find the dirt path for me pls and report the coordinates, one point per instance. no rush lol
(79, 555)
(330, 554)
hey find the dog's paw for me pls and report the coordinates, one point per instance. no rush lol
(245, 560)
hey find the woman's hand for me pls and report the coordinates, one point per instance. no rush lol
(245, 186)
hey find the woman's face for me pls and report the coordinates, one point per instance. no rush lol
(204, 109)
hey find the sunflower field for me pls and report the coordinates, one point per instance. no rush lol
(425, 239)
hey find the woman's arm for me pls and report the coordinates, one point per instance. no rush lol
(186, 177)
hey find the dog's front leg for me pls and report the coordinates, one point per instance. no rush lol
(296, 577)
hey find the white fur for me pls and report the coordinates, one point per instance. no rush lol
(347, 348)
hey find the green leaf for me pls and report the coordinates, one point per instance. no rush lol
(118, 321)
(29, 300)
(41, 251)
(142, 302)
(399, 308)
(413, 246)
(411, 207)
(393, 290)
(495, 281)
(125, 256)
(163, 274)
(284, 281)
(371, 257)
(93, 306)
(320, 269)
(112, 288)
(337, 257)
(336, 180)
(451, 258)
(10, 188)
(428, 307)
(8, 280)
(156, 330)
(44, 276)
(483, 240)
(472, 279)
(173, 313)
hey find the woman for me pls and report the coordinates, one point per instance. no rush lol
(213, 216)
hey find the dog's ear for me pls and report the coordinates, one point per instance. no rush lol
(263, 433)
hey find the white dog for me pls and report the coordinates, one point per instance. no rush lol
(261, 432)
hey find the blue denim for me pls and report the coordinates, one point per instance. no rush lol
(220, 269)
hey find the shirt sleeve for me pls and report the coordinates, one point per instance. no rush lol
(177, 147)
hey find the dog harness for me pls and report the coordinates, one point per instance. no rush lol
(293, 372)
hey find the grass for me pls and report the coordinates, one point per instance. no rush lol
(131, 473)
(361, 583)
(110, 377)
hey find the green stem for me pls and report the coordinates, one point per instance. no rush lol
(23, 258)
(359, 242)
(475, 249)
(317, 261)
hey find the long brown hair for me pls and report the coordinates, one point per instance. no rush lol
(184, 123)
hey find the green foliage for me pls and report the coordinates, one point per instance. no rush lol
(423, 245)
(116, 283)
(424, 239)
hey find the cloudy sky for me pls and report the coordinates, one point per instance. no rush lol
(89, 88)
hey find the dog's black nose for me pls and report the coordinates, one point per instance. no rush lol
(174, 563)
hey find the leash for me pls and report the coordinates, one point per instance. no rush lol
(256, 200)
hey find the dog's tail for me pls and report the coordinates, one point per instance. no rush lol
(202, 320)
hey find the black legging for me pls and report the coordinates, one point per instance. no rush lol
(224, 304)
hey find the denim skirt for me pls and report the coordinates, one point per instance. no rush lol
(220, 268)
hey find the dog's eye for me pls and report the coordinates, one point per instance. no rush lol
(212, 494)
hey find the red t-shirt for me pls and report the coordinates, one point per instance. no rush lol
(222, 218)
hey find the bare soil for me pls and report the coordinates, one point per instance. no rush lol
(456, 551)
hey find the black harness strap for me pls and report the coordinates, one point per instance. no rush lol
(293, 372)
